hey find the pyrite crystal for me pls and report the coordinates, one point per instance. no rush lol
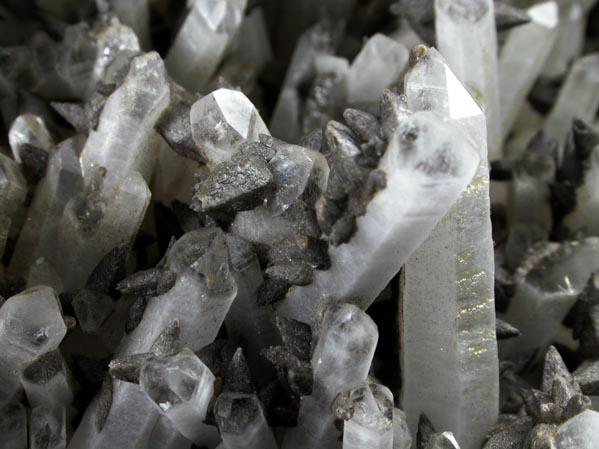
(282, 224)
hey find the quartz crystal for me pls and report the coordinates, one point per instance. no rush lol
(31, 324)
(449, 281)
(47, 383)
(200, 44)
(28, 129)
(134, 14)
(13, 190)
(341, 359)
(519, 68)
(166, 436)
(578, 97)
(222, 121)
(13, 426)
(371, 424)
(426, 156)
(467, 38)
(376, 67)
(402, 439)
(182, 386)
(580, 432)
(47, 428)
(583, 216)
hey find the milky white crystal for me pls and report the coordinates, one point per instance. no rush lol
(467, 38)
(450, 370)
(200, 44)
(580, 432)
(28, 129)
(13, 426)
(47, 428)
(522, 56)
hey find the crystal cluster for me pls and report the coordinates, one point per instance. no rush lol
(281, 224)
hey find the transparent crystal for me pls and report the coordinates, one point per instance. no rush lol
(467, 38)
(298, 173)
(578, 98)
(450, 280)
(402, 439)
(13, 188)
(134, 14)
(580, 432)
(426, 158)
(584, 216)
(92, 308)
(47, 428)
(28, 129)
(166, 436)
(371, 425)
(341, 360)
(182, 387)
(200, 44)
(522, 56)
(199, 300)
(222, 121)
(377, 66)
(13, 426)
(46, 381)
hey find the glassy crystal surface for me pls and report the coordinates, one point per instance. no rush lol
(202, 40)
(13, 426)
(467, 38)
(28, 129)
(376, 67)
(402, 439)
(46, 381)
(519, 68)
(583, 216)
(580, 432)
(182, 386)
(134, 14)
(341, 359)
(450, 279)
(222, 121)
(92, 309)
(47, 428)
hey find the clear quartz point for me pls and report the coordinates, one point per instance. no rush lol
(28, 129)
(222, 121)
(341, 360)
(182, 387)
(200, 44)
(449, 280)
(31, 324)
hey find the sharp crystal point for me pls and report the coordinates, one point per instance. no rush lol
(505, 330)
(508, 16)
(238, 378)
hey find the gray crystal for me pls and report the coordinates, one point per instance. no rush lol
(47, 428)
(13, 426)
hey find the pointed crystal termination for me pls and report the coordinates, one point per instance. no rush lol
(238, 411)
(39, 233)
(47, 428)
(341, 360)
(426, 158)
(31, 324)
(580, 432)
(450, 280)
(222, 121)
(46, 381)
(578, 98)
(13, 425)
(547, 285)
(117, 160)
(28, 129)
(181, 386)
(377, 66)
(522, 58)
(467, 38)
(199, 300)
(371, 421)
(200, 44)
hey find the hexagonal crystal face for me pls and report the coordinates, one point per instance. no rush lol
(180, 381)
(31, 323)
(222, 121)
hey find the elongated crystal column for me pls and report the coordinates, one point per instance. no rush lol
(46, 381)
(584, 216)
(547, 285)
(166, 436)
(467, 38)
(40, 229)
(199, 300)
(200, 45)
(426, 158)
(341, 360)
(450, 370)
(522, 57)
(13, 190)
(47, 428)
(31, 324)
(578, 98)
(135, 14)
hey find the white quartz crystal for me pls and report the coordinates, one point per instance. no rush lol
(547, 285)
(377, 66)
(449, 371)
(584, 216)
(426, 158)
(341, 360)
(578, 97)
(182, 387)
(467, 38)
(222, 121)
(402, 439)
(28, 129)
(580, 432)
(31, 324)
(46, 381)
(135, 14)
(200, 44)
(522, 56)
(166, 436)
